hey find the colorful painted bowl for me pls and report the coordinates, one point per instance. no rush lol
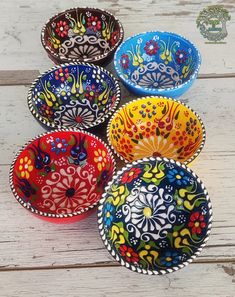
(75, 95)
(157, 63)
(60, 176)
(155, 216)
(82, 34)
(156, 126)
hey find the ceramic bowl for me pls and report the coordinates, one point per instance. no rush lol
(82, 34)
(156, 126)
(157, 63)
(155, 216)
(60, 176)
(75, 95)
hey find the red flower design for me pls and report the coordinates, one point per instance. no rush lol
(62, 28)
(181, 56)
(93, 23)
(124, 61)
(130, 175)
(129, 254)
(114, 37)
(151, 47)
(197, 223)
(61, 74)
(91, 92)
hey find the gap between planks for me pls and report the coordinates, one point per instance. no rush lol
(26, 77)
(102, 265)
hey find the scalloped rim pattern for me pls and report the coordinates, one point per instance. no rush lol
(91, 60)
(152, 90)
(112, 251)
(46, 214)
(158, 97)
(87, 126)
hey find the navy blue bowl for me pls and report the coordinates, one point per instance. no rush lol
(157, 63)
(74, 95)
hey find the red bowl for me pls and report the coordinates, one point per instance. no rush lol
(60, 176)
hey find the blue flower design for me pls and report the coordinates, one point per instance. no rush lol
(178, 176)
(108, 214)
(170, 259)
(59, 145)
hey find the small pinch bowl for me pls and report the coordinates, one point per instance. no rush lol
(74, 95)
(155, 216)
(156, 126)
(157, 63)
(60, 176)
(82, 35)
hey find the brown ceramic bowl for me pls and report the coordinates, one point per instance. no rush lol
(82, 34)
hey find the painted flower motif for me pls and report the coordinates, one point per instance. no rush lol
(130, 175)
(63, 92)
(62, 74)
(170, 259)
(181, 56)
(100, 158)
(97, 75)
(197, 223)
(25, 167)
(91, 92)
(94, 23)
(157, 80)
(84, 52)
(46, 111)
(114, 37)
(62, 28)
(156, 146)
(151, 47)
(59, 146)
(125, 61)
(109, 210)
(178, 176)
(129, 254)
(191, 126)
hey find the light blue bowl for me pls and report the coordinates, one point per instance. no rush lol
(157, 63)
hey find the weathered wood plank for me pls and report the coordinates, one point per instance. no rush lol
(20, 46)
(215, 280)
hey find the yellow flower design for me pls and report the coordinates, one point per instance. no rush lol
(149, 256)
(25, 167)
(100, 159)
(117, 235)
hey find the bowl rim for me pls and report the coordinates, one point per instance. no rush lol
(91, 60)
(155, 90)
(165, 98)
(115, 254)
(86, 126)
(43, 213)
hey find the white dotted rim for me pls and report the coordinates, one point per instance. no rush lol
(152, 90)
(91, 60)
(87, 126)
(46, 214)
(157, 98)
(115, 254)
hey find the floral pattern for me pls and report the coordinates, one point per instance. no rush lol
(156, 127)
(74, 96)
(148, 228)
(57, 173)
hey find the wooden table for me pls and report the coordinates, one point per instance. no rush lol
(42, 259)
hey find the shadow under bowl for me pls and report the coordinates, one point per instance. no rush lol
(82, 35)
(60, 176)
(157, 63)
(74, 95)
(156, 126)
(155, 216)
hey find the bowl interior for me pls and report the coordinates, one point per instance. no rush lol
(82, 34)
(74, 96)
(155, 215)
(156, 126)
(62, 172)
(157, 60)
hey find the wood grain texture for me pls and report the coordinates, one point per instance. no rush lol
(20, 46)
(208, 280)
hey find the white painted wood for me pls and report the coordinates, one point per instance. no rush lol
(208, 280)
(21, 22)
